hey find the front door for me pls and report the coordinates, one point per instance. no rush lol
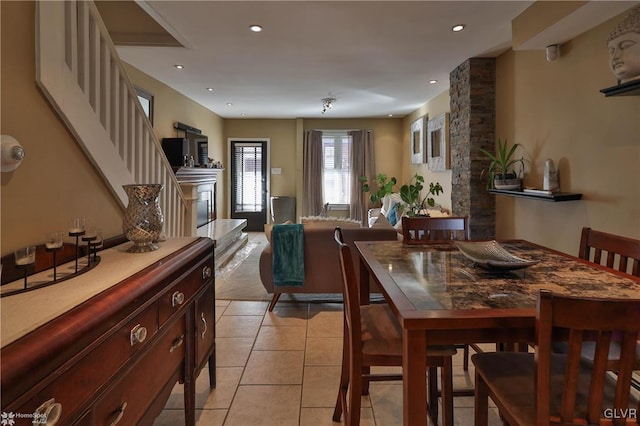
(249, 183)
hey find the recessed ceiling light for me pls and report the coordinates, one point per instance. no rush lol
(229, 104)
(255, 28)
(433, 81)
(242, 114)
(390, 115)
(178, 66)
(210, 89)
(457, 28)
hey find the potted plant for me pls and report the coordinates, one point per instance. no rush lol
(501, 172)
(383, 187)
(410, 194)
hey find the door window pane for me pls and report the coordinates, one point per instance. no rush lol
(248, 182)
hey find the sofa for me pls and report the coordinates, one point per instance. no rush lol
(322, 272)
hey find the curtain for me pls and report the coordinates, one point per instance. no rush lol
(312, 173)
(362, 164)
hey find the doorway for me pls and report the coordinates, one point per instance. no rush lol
(249, 182)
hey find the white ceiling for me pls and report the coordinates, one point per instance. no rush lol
(375, 57)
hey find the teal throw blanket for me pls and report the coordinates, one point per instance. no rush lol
(287, 243)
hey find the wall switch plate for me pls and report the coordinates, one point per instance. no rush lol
(276, 171)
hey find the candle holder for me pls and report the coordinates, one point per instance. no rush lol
(25, 257)
(52, 244)
(76, 229)
(89, 237)
(96, 244)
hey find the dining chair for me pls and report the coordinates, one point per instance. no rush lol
(545, 388)
(613, 251)
(426, 230)
(373, 337)
(421, 230)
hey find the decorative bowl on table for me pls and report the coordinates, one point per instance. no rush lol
(491, 255)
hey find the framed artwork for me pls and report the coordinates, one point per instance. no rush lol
(438, 143)
(417, 141)
(146, 101)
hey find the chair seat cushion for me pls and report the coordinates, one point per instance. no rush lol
(510, 376)
(382, 334)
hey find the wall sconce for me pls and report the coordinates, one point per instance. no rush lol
(553, 52)
(11, 153)
(327, 104)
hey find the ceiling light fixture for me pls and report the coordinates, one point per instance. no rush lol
(433, 81)
(178, 66)
(255, 28)
(457, 28)
(210, 89)
(327, 104)
(229, 103)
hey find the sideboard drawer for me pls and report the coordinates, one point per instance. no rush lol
(184, 289)
(128, 399)
(205, 326)
(76, 384)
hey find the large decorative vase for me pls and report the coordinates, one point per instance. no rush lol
(143, 219)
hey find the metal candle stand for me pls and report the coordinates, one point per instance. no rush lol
(77, 234)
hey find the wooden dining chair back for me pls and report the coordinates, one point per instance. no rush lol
(373, 337)
(549, 388)
(614, 251)
(424, 230)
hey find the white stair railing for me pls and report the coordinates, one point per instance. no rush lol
(79, 70)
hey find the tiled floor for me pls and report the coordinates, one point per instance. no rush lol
(283, 367)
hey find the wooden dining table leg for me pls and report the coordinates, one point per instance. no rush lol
(414, 383)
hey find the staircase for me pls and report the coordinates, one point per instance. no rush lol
(79, 70)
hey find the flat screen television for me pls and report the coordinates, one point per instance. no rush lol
(193, 144)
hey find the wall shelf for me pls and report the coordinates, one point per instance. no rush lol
(555, 197)
(630, 88)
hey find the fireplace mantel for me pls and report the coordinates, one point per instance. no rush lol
(199, 188)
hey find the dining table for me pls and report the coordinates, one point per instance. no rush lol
(441, 296)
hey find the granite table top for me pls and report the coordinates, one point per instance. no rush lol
(440, 277)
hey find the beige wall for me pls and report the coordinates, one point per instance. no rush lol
(555, 110)
(434, 107)
(169, 107)
(56, 181)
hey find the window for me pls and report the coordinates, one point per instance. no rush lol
(146, 101)
(336, 173)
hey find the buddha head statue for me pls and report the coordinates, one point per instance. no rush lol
(624, 47)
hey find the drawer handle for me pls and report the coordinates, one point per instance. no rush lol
(138, 334)
(204, 321)
(177, 298)
(49, 412)
(177, 343)
(117, 416)
(206, 272)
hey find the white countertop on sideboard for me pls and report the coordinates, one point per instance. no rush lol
(24, 312)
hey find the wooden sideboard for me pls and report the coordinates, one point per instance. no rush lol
(115, 357)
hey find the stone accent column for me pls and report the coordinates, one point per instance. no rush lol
(472, 126)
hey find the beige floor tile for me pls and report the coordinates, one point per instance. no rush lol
(323, 351)
(325, 324)
(227, 380)
(265, 405)
(233, 351)
(222, 303)
(287, 315)
(281, 338)
(323, 417)
(170, 418)
(237, 307)
(386, 402)
(320, 387)
(210, 417)
(274, 368)
(238, 326)
(314, 308)
(219, 312)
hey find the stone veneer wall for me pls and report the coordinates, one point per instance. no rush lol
(472, 126)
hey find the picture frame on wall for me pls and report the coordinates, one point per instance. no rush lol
(417, 141)
(438, 143)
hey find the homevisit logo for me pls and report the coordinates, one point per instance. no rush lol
(9, 419)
